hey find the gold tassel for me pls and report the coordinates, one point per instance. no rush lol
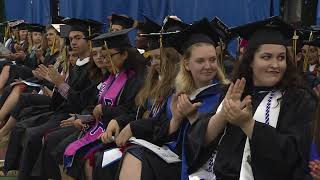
(146, 54)
(53, 48)
(16, 36)
(30, 42)
(295, 39)
(306, 58)
(7, 33)
(113, 67)
(220, 62)
(161, 44)
(65, 60)
(161, 48)
(90, 42)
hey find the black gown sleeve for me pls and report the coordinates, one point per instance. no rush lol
(146, 128)
(197, 151)
(283, 152)
(126, 101)
(83, 98)
(80, 88)
(132, 115)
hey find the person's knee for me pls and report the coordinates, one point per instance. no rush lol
(6, 69)
(131, 167)
(18, 129)
(22, 102)
(50, 141)
(19, 88)
(32, 136)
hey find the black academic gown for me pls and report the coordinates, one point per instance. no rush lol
(46, 165)
(24, 70)
(75, 102)
(276, 153)
(137, 113)
(125, 103)
(153, 167)
(66, 136)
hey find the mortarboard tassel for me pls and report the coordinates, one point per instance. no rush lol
(7, 33)
(53, 45)
(30, 42)
(220, 62)
(65, 60)
(16, 36)
(90, 42)
(113, 67)
(295, 39)
(161, 41)
(306, 58)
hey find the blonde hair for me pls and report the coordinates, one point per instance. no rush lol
(184, 81)
(156, 89)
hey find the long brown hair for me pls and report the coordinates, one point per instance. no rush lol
(95, 73)
(158, 89)
(184, 80)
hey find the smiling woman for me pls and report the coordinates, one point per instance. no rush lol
(263, 136)
(199, 68)
(269, 65)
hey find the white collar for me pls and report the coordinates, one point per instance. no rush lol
(141, 51)
(312, 67)
(83, 61)
(193, 95)
(246, 172)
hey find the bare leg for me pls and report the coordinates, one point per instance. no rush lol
(88, 170)
(10, 102)
(4, 76)
(5, 130)
(64, 176)
(131, 168)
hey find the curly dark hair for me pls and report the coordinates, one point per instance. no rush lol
(290, 79)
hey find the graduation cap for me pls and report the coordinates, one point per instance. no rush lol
(96, 43)
(315, 42)
(22, 26)
(200, 31)
(64, 31)
(154, 39)
(96, 26)
(222, 29)
(308, 34)
(57, 19)
(173, 24)
(122, 20)
(11, 23)
(269, 31)
(118, 39)
(87, 26)
(57, 27)
(110, 40)
(149, 26)
(36, 28)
